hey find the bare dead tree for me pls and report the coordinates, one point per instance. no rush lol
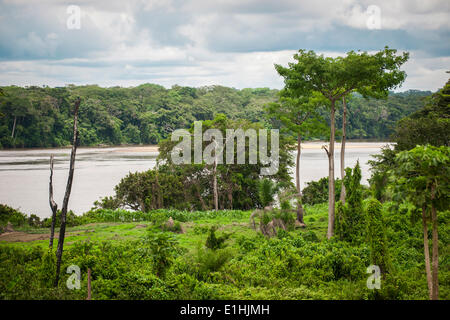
(53, 204)
(62, 229)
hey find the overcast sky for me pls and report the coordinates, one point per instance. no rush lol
(228, 42)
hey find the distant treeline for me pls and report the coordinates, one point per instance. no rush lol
(42, 116)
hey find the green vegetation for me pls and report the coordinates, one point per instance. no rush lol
(429, 125)
(297, 264)
(181, 242)
(42, 117)
(191, 187)
(350, 219)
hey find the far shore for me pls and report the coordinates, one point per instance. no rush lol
(350, 144)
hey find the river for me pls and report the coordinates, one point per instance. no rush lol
(24, 174)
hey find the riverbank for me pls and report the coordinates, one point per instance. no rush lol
(351, 144)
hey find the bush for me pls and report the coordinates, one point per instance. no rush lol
(317, 191)
(350, 217)
(208, 260)
(72, 220)
(8, 214)
(163, 249)
(214, 242)
(377, 236)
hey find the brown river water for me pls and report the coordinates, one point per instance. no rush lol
(24, 174)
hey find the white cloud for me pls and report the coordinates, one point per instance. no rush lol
(232, 42)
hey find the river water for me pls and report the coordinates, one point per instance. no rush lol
(24, 174)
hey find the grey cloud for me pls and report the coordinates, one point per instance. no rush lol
(194, 41)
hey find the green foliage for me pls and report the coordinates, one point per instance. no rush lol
(421, 176)
(350, 217)
(298, 264)
(189, 187)
(298, 116)
(71, 220)
(157, 216)
(8, 214)
(208, 260)
(214, 242)
(317, 191)
(148, 113)
(376, 236)
(267, 190)
(163, 249)
(428, 125)
(107, 203)
(380, 167)
(368, 74)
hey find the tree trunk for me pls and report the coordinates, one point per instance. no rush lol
(53, 204)
(216, 193)
(297, 176)
(230, 198)
(199, 196)
(435, 295)
(344, 119)
(14, 127)
(426, 249)
(330, 231)
(62, 229)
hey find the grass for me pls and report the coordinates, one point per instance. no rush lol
(195, 230)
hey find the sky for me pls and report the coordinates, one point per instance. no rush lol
(195, 43)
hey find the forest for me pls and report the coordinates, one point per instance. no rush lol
(223, 231)
(33, 117)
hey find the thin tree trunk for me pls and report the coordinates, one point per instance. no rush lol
(62, 229)
(216, 193)
(297, 176)
(202, 202)
(330, 231)
(14, 127)
(230, 198)
(435, 262)
(53, 204)
(426, 249)
(344, 119)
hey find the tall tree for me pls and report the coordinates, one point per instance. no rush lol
(368, 74)
(300, 118)
(62, 229)
(421, 176)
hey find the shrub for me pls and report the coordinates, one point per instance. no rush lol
(208, 260)
(317, 191)
(8, 214)
(377, 236)
(266, 190)
(350, 218)
(214, 242)
(163, 248)
(72, 220)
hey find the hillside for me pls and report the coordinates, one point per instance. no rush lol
(41, 117)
